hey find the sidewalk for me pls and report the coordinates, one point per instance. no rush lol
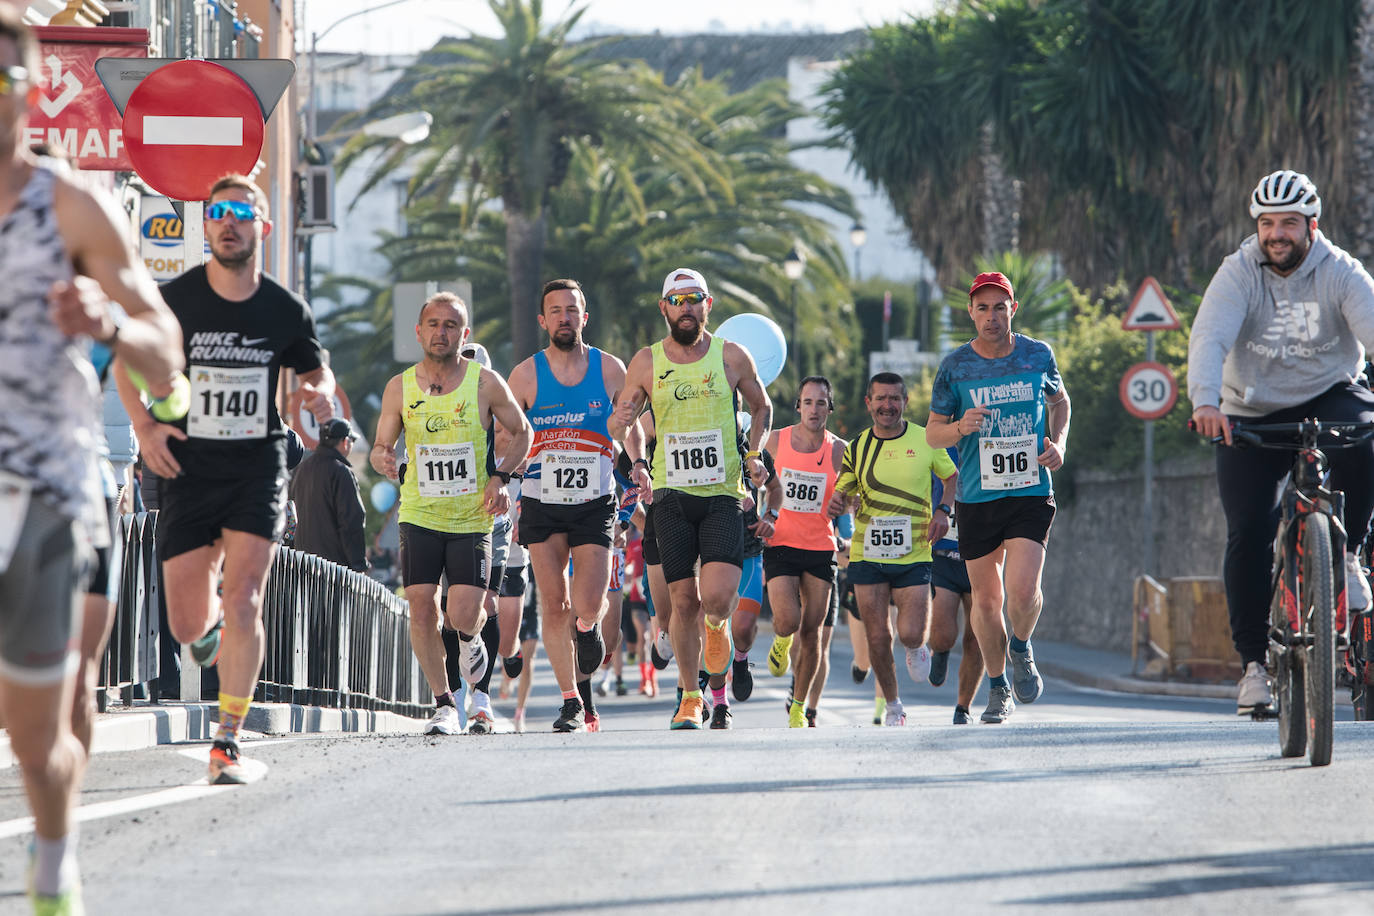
(1107, 670)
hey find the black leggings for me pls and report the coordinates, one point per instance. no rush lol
(1251, 484)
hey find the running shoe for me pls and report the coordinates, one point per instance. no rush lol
(472, 659)
(620, 690)
(1357, 593)
(720, 716)
(571, 717)
(742, 680)
(67, 903)
(652, 690)
(858, 674)
(939, 668)
(895, 715)
(226, 768)
(918, 664)
(689, 713)
(513, 666)
(811, 718)
(590, 650)
(205, 650)
(593, 722)
(960, 715)
(519, 720)
(1254, 690)
(443, 722)
(1000, 705)
(717, 649)
(703, 681)
(482, 721)
(1025, 679)
(661, 652)
(779, 655)
(603, 686)
(796, 716)
(879, 707)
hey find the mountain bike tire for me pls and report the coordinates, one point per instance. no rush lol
(1317, 599)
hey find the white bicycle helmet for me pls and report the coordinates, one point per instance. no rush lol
(1285, 191)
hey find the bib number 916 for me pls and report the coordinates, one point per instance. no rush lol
(1015, 463)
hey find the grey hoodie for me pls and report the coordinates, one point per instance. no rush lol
(1262, 342)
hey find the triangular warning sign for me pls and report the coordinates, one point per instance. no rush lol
(1150, 311)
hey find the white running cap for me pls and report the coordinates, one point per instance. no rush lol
(684, 278)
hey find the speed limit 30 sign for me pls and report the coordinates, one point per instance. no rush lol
(1149, 390)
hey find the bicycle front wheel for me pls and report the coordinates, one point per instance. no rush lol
(1317, 601)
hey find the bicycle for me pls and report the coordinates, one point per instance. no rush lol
(1307, 609)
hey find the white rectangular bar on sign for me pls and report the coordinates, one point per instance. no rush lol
(192, 131)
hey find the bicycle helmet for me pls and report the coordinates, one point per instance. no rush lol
(1285, 191)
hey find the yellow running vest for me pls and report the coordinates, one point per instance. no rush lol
(447, 449)
(694, 419)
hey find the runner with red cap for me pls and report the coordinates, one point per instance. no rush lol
(1000, 400)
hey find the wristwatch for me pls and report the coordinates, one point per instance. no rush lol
(771, 514)
(945, 509)
(504, 475)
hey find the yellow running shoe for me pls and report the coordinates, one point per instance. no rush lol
(779, 655)
(688, 713)
(879, 709)
(796, 716)
(718, 650)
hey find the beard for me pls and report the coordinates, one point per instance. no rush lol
(686, 336)
(565, 339)
(233, 260)
(1296, 252)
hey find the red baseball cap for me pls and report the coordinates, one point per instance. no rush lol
(991, 278)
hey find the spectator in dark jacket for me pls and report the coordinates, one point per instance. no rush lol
(329, 506)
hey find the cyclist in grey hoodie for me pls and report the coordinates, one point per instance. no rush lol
(1282, 335)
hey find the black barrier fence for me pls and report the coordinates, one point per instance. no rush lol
(334, 637)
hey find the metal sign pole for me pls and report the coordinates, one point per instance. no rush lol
(1148, 510)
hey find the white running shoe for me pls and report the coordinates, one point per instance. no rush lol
(1357, 593)
(918, 664)
(443, 722)
(664, 645)
(895, 714)
(1254, 690)
(472, 659)
(481, 717)
(520, 721)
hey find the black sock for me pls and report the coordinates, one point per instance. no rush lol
(514, 665)
(445, 700)
(491, 637)
(584, 690)
(962, 709)
(452, 648)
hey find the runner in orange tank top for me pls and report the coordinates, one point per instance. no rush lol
(799, 561)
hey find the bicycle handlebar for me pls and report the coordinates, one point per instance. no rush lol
(1252, 434)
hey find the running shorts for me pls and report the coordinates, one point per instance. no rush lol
(41, 597)
(197, 510)
(983, 527)
(690, 527)
(793, 561)
(751, 581)
(515, 582)
(588, 523)
(650, 541)
(427, 556)
(896, 575)
(947, 571)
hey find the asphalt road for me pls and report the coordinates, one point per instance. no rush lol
(1086, 802)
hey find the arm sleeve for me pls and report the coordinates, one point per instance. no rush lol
(1215, 329)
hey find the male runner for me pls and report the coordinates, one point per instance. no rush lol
(949, 591)
(799, 561)
(691, 379)
(886, 472)
(568, 500)
(453, 488)
(1000, 399)
(224, 465)
(50, 497)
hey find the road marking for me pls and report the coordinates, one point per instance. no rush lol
(22, 826)
(169, 130)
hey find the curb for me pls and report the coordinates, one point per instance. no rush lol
(149, 726)
(1127, 684)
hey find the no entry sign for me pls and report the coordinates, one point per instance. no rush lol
(190, 123)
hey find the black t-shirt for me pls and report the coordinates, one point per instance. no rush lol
(234, 351)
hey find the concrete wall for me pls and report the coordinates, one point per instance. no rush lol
(1096, 547)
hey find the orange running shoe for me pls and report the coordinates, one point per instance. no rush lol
(688, 714)
(718, 649)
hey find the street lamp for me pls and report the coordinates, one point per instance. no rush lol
(857, 236)
(793, 266)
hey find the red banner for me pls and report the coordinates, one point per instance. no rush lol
(72, 110)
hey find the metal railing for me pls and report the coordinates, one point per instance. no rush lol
(334, 637)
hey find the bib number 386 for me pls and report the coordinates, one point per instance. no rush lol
(694, 459)
(1008, 462)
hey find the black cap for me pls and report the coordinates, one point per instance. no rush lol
(335, 430)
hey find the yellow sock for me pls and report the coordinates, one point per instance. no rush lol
(232, 712)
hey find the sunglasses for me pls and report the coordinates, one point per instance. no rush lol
(11, 77)
(241, 211)
(677, 300)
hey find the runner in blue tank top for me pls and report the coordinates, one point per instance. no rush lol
(568, 498)
(999, 398)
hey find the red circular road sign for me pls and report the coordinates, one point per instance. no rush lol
(190, 123)
(1149, 390)
(306, 424)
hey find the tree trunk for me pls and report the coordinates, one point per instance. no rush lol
(1360, 171)
(1001, 199)
(525, 238)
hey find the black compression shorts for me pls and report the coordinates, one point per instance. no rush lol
(196, 511)
(688, 527)
(650, 539)
(515, 582)
(427, 555)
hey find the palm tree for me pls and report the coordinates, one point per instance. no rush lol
(510, 113)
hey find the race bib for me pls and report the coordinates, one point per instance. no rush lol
(888, 537)
(14, 508)
(569, 478)
(694, 459)
(1008, 462)
(228, 403)
(801, 491)
(446, 470)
